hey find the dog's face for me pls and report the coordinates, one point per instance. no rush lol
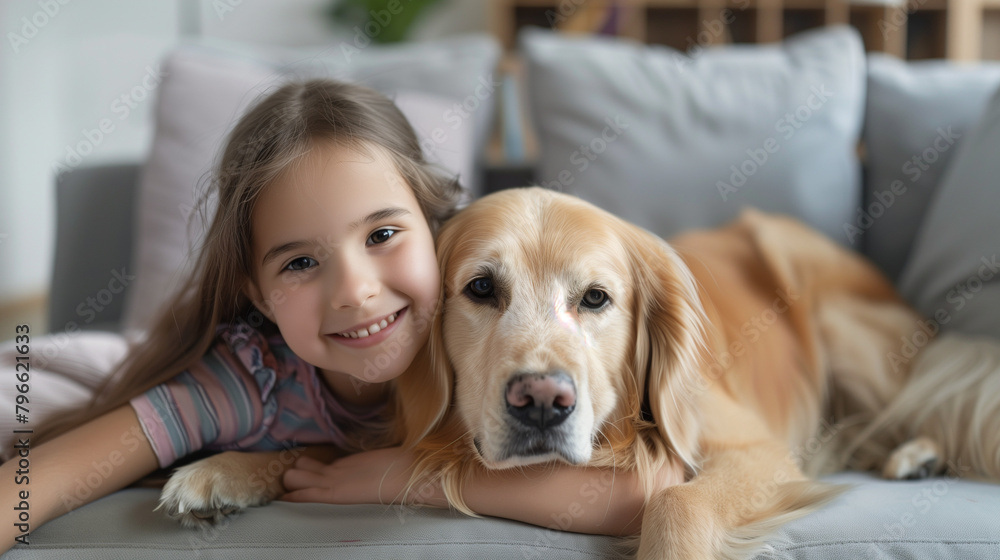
(541, 316)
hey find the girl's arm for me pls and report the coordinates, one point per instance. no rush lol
(61, 474)
(557, 496)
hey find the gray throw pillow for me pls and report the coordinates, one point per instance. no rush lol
(953, 274)
(672, 141)
(918, 113)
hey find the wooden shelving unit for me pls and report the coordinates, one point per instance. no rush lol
(955, 29)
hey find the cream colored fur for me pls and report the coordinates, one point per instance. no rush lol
(728, 352)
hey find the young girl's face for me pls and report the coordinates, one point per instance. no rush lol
(345, 263)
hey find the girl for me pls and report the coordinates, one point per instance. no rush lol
(311, 295)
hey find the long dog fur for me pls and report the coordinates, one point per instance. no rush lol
(742, 344)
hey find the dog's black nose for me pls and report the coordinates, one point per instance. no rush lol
(541, 400)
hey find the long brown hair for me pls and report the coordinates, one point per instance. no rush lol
(273, 134)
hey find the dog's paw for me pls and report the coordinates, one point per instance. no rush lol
(915, 459)
(206, 491)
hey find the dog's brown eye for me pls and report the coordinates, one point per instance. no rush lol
(481, 288)
(595, 299)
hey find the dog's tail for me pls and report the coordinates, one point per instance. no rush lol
(952, 398)
(792, 501)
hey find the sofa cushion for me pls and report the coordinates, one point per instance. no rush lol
(941, 519)
(91, 273)
(443, 88)
(917, 114)
(953, 274)
(672, 141)
(124, 525)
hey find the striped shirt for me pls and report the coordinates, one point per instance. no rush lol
(249, 392)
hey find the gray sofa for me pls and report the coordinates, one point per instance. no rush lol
(684, 125)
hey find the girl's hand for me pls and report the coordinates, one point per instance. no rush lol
(578, 499)
(370, 477)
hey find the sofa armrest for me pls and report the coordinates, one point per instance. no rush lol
(92, 273)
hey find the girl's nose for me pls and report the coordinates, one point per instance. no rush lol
(356, 283)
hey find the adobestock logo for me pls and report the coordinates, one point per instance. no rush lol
(899, 16)
(787, 126)
(914, 168)
(224, 7)
(30, 27)
(711, 31)
(460, 112)
(582, 158)
(122, 107)
(378, 22)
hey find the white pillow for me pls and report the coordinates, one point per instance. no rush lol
(206, 88)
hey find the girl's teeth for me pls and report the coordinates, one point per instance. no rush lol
(374, 329)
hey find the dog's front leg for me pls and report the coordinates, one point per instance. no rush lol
(206, 491)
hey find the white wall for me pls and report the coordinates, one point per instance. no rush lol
(71, 70)
(58, 82)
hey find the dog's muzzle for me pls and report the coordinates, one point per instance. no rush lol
(541, 401)
(537, 407)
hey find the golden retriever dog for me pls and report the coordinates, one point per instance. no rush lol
(568, 334)
(572, 335)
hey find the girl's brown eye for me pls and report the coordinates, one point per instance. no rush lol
(380, 236)
(301, 263)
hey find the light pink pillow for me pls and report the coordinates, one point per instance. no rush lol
(206, 89)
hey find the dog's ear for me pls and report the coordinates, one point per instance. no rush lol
(670, 342)
(427, 387)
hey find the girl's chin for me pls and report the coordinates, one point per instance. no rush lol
(371, 371)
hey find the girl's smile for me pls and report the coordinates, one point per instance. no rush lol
(370, 334)
(344, 258)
